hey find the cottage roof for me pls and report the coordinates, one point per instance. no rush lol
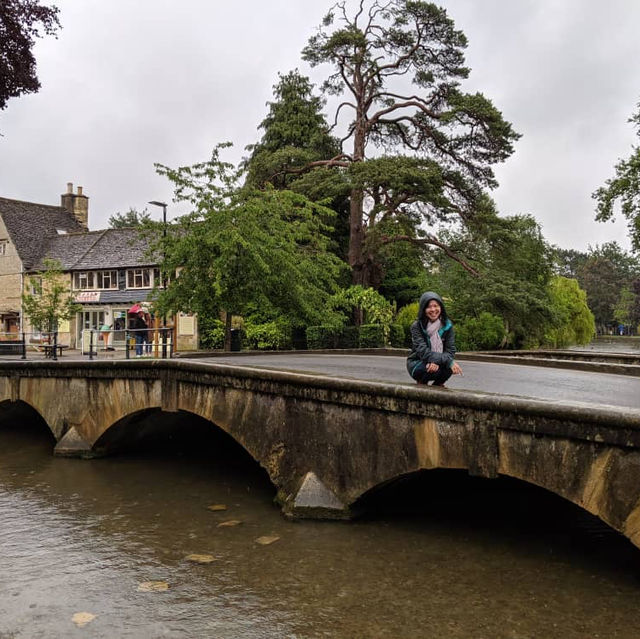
(31, 226)
(106, 249)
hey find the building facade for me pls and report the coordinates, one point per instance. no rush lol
(108, 271)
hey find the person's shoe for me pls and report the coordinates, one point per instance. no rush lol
(439, 386)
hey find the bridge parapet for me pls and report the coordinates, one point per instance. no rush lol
(325, 442)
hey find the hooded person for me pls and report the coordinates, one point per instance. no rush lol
(432, 343)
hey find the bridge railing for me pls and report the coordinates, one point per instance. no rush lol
(43, 343)
(153, 342)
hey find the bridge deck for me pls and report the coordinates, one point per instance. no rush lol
(511, 379)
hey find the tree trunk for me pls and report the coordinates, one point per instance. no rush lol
(227, 331)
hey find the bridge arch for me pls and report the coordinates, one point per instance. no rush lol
(326, 442)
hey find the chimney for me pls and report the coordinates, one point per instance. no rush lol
(77, 204)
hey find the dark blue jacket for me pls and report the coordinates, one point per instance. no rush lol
(420, 343)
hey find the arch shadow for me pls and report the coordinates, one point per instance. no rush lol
(20, 416)
(177, 434)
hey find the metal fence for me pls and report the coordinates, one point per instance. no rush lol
(126, 344)
(153, 342)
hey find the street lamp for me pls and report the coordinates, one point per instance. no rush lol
(164, 256)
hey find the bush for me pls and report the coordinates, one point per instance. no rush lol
(484, 332)
(348, 337)
(406, 316)
(397, 336)
(271, 336)
(372, 336)
(319, 337)
(211, 334)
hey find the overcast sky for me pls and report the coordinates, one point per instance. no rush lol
(132, 82)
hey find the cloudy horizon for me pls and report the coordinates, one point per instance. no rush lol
(126, 85)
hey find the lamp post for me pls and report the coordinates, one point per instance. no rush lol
(164, 276)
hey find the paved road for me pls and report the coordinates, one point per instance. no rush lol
(510, 379)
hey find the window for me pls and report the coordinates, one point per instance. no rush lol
(139, 278)
(83, 280)
(107, 279)
(35, 286)
(3, 247)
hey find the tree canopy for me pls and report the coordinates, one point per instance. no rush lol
(623, 189)
(244, 249)
(438, 143)
(129, 219)
(51, 301)
(21, 22)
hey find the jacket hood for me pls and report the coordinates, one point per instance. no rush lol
(425, 298)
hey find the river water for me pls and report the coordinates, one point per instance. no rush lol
(437, 555)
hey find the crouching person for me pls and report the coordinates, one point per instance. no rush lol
(432, 343)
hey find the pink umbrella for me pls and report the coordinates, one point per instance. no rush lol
(135, 308)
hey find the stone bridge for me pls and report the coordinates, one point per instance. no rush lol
(327, 442)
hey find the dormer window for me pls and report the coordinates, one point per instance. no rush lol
(3, 247)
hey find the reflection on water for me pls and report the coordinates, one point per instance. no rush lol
(438, 555)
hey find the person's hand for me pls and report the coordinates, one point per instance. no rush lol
(456, 369)
(432, 368)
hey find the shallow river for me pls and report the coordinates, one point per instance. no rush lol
(438, 555)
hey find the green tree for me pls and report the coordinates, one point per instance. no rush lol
(295, 133)
(514, 263)
(21, 22)
(623, 189)
(573, 322)
(452, 138)
(607, 270)
(51, 301)
(244, 249)
(129, 219)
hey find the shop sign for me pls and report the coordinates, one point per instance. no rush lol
(88, 296)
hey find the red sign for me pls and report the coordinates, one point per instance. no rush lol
(88, 296)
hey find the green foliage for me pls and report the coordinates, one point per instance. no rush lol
(485, 332)
(573, 321)
(129, 219)
(397, 336)
(623, 189)
(372, 336)
(211, 332)
(21, 21)
(321, 337)
(52, 301)
(271, 336)
(244, 248)
(440, 143)
(406, 316)
(604, 274)
(376, 309)
(514, 263)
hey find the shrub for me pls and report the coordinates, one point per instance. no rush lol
(348, 337)
(406, 316)
(372, 336)
(211, 334)
(397, 335)
(271, 336)
(319, 337)
(484, 332)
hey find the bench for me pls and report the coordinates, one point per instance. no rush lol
(11, 347)
(49, 349)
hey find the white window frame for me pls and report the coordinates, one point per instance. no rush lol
(136, 278)
(113, 280)
(84, 277)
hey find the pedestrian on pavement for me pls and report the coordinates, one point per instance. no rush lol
(105, 332)
(140, 331)
(432, 343)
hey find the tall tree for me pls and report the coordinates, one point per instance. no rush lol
(295, 132)
(243, 248)
(21, 22)
(129, 219)
(452, 138)
(623, 189)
